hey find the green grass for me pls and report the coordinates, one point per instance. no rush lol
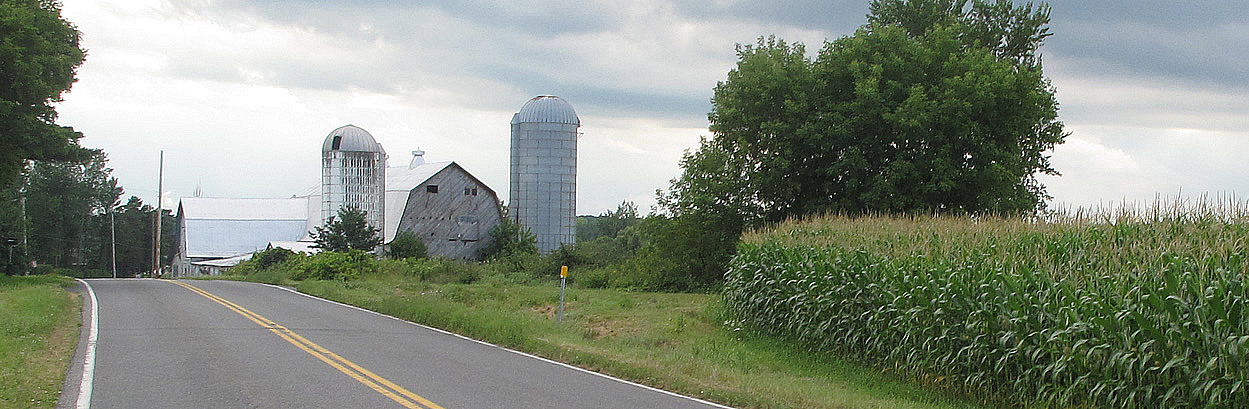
(677, 342)
(38, 331)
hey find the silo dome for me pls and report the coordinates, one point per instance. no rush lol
(548, 109)
(351, 138)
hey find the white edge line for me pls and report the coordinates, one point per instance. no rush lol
(583, 370)
(88, 360)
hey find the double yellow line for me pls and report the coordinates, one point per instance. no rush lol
(381, 385)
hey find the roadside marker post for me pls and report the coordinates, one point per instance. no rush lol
(563, 281)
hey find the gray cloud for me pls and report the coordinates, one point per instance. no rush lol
(1200, 44)
(842, 16)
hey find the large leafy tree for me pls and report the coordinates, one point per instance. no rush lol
(39, 55)
(61, 200)
(349, 230)
(57, 207)
(933, 106)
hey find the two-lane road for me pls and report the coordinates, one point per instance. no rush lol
(225, 344)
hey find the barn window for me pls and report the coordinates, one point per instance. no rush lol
(338, 143)
(467, 191)
(431, 188)
(474, 191)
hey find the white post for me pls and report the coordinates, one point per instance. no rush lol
(563, 281)
(112, 223)
(160, 187)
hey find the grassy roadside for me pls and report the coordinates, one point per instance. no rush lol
(38, 331)
(676, 342)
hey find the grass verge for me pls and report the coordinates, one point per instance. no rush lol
(39, 323)
(676, 342)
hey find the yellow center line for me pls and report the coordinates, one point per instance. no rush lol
(368, 378)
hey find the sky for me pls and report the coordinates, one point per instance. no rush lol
(240, 94)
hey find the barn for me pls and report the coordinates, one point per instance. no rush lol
(212, 233)
(441, 203)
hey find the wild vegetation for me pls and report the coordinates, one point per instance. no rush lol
(670, 340)
(1131, 309)
(38, 331)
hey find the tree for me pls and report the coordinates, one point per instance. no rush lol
(951, 114)
(62, 201)
(407, 245)
(607, 224)
(349, 230)
(134, 227)
(933, 106)
(509, 238)
(38, 60)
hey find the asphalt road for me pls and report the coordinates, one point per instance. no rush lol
(224, 344)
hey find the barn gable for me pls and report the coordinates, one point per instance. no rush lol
(452, 212)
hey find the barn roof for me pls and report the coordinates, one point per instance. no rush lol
(217, 227)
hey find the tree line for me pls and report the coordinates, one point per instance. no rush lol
(58, 199)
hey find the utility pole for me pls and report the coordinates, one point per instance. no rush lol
(112, 225)
(160, 187)
(25, 246)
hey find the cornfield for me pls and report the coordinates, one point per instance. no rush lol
(1118, 309)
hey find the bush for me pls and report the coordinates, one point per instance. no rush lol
(406, 245)
(444, 271)
(268, 258)
(593, 277)
(336, 265)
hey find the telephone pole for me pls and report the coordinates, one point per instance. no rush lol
(160, 187)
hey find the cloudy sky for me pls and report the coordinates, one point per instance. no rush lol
(240, 94)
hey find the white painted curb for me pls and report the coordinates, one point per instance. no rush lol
(88, 360)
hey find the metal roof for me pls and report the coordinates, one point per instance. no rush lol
(215, 227)
(203, 208)
(295, 246)
(548, 109)
(351, 139)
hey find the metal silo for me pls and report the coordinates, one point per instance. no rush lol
(543, 189)
(353, 173)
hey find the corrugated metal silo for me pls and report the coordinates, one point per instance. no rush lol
(543, 188)
(353, 173)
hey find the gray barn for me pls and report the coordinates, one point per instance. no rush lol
(446, 207)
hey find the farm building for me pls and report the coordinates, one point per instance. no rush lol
(213, 231)
(353, 173)
(441, 203)
(543, 185)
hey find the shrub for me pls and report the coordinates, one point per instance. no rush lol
(444, 271)
(271, 257)
(336, 265)
(406, 245)
(592, 278)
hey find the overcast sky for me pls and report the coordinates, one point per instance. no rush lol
(240, 94)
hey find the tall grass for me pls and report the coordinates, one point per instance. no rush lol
(1132, 308)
